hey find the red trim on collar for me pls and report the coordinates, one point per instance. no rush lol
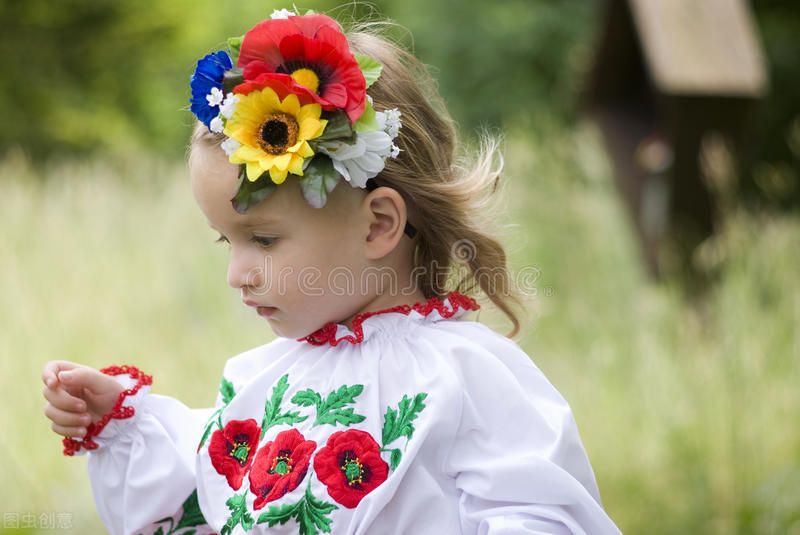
(327, 333)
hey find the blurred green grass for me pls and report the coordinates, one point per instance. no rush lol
(688, 410)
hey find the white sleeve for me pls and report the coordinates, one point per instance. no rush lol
(144, 466)
(517, 458)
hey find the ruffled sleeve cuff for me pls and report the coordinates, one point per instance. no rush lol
(123, 414)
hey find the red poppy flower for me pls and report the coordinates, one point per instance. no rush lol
(313, 52)
(351, 466)
(231, 449)
(282, 84)
(280, 466)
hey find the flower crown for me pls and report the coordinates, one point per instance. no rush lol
(291, 98)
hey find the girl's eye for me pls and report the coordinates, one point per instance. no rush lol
(264, 241)
(221, 239)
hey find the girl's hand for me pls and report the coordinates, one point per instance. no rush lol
(77, 395)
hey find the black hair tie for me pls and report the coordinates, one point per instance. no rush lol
(409, 228)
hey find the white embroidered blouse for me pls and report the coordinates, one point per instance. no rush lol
(413, 422)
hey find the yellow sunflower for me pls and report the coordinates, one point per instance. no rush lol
(273, 134)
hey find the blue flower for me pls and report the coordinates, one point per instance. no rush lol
(208, 75)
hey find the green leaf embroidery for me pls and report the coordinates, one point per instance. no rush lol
(239, 514)
(307, 398)
(192, 516)
(310, 513)
(227, 393)
(370, 67)
(332, 411)
(272, 408)
(395, 458)
(398, 423)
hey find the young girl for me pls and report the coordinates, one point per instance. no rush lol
(325, 162)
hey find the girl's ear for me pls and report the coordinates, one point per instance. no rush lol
(387, 214)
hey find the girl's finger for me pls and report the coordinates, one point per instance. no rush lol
(51, 369)
(62, 399)
(68, 431)
(65, 418)
(89, 378)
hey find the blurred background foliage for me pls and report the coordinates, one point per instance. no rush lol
(112, 75)
(107, 74)
(687, 407)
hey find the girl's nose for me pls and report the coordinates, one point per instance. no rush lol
(245, 269)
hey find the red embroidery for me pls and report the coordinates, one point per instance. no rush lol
(280, 466)
(72, 446)
(351, 466)
(327, 333)
(232, 449)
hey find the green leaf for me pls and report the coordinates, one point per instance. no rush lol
(316, 513)
(192, 515)
(239, 514)
(395, 458)
(396, 425)
(231, 78)
(159, 531)
(319, 179)
(343, 416)
(370, 67)
(235, 46)
(251, 193)
(279, 514)
(332, 411)
(389, 425)
(310, 513)
(272, 408)
(367, 120)
(211, 421)
(344, 395)
(338, 128)
(226, 390)
(306, 398)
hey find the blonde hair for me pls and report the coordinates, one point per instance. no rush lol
(451, 195)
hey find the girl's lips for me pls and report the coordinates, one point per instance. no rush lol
(265, 311)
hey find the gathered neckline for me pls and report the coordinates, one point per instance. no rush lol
(453, 305)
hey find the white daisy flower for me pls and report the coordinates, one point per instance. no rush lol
(362, 160)
(228, 105)
(216, 125)
(282, 14)
(392, 122)
(395, 151)
(230, 146)
(215, 97)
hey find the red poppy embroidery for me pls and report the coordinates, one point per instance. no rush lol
(280, 466)
(232, 448)
(350, 465)
(327, 333)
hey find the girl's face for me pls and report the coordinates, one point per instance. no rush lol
(303, 264)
